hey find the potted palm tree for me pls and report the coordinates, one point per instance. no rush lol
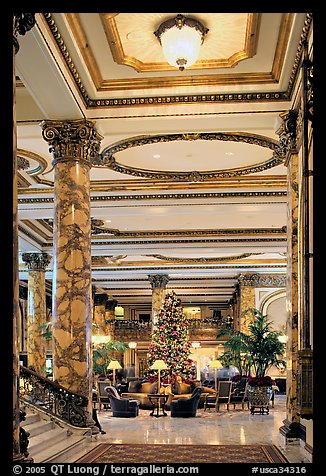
(258, 350)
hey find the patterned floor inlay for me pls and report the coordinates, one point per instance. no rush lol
(124, 453)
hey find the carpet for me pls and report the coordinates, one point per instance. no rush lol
(126, 453)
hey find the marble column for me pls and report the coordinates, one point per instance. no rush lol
(158, 283)
(247, 298)
(99, 316)
(74, 144)
(22, 23)
(287, 134)
(36, 310)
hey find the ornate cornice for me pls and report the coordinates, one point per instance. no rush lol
(72, 140)
(257, 280)
(36, 261)
(106, 158)
(158, 280)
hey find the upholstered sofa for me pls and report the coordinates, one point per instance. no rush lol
(138, 390)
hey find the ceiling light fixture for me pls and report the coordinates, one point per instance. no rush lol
(181, 38)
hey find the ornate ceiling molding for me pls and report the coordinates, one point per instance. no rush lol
(107, 159)
(116, 40)
(202, 259)
(102, 85)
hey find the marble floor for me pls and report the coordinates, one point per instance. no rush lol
(208, 428)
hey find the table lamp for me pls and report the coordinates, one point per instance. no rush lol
(159, 365)
(114, 365)
(215, 364)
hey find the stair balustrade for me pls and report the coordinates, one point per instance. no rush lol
(53, 398)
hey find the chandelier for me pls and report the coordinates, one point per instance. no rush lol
(181, 38)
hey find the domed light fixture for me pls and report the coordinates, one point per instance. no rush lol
(181, 38)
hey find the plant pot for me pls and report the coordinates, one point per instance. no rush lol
(259, 397)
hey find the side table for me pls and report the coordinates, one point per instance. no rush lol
(158, 402)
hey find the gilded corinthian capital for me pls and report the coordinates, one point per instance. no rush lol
(72, 140)
(36, 261)
(288, 132)
(158, 280)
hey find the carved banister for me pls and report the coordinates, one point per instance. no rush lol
(53, 397)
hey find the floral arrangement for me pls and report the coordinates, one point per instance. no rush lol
(260, 381)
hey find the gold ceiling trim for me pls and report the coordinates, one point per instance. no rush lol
(22, 182)
(42, 163)
(169, 233)
(160, 196)
(188, 241)
(119, 56)
(194, 80)
(207, 266)
(129, 265)
(36, 229)
(266, 181)
(106, 158)
(202, 259)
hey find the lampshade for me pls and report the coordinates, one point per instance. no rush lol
(181, 38)
(215, 364)
(159, 365)
(195, 345)
(114, 364)
(100, 339)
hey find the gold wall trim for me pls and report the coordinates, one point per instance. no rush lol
(192, 80)
(119, 56)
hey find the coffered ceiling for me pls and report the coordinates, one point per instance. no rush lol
(191, 181)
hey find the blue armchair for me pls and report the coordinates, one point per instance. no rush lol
(186, 407)
(122, 407)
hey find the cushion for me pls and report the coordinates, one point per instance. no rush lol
(134, 386)
(168, 390)
(209, 390)
(153, 388)
(181, 388)
(194, 384)
(145, 387)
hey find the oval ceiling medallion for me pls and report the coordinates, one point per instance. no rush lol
(107, 157)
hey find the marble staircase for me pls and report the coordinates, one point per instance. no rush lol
(50, 439)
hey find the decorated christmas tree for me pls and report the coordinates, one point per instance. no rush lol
(170, 341)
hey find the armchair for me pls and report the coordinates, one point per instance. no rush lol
(186, 407)
(122, 407)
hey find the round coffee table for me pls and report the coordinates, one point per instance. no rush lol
(158, 402)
